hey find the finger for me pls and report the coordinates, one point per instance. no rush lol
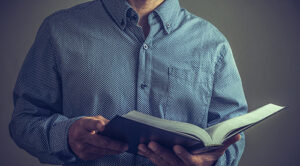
(101, 118)
(222, 148)
(215, 154)
(183, 154)
(232, 140)
(164, 153)
(144, 150)
(101, 151)
(225, 145)
(101, 141)
(219, 152)
(212, 155)
(91, 152)
(92, 124)
(155, 159)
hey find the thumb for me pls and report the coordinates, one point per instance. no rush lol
(92, 124)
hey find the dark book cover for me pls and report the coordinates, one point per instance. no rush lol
(135, 133)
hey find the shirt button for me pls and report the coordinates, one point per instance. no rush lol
(168, 25)
(122, 22)
(145, 46)
(143, 86)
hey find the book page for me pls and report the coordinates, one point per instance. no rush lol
(225, 129)
(182, 128)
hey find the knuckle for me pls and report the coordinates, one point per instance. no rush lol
(154, 160)
(102, 119)
(99, 117)
(72, 133)
(90, 140)
(82, 156)
(160, 151)
(75, 133)
(106, 142)
(118, 146)
(218, 154)
(81, 122)
(147, 153)
(157, 161)
(78, 147)
(209, 159)
(105, 151)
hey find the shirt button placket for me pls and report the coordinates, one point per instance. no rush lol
(143, 78)
(145, 47)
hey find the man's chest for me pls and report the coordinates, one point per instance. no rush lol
(169, 77)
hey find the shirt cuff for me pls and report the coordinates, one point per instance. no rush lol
(59, 139)
(220, 161)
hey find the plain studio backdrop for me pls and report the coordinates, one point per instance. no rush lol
(265, 39)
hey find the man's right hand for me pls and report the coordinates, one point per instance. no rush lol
(87, 144)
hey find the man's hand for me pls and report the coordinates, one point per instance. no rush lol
(87, 144)
(161, 156)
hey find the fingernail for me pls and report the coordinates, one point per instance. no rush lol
(152, 146)
(177, 150)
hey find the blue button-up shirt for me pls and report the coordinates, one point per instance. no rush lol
(93, 59)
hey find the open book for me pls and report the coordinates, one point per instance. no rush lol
(136, 127)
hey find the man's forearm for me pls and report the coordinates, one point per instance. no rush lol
(44, 137)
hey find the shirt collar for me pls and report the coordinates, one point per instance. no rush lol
(167, 12)
(118, 10)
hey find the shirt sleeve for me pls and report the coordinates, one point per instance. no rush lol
(38, 124)
(228, 100)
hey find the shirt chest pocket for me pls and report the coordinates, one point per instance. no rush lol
(189, 93)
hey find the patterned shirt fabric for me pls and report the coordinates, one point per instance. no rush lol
(93, 59)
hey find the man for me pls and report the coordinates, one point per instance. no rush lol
(109, 57)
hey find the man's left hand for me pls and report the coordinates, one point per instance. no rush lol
(161, 156)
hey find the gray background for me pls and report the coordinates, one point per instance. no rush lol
(265, 39)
